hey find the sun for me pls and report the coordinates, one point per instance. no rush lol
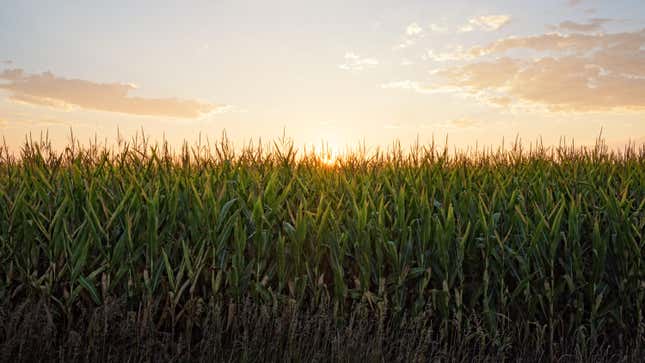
(328, 154)
(329, 160)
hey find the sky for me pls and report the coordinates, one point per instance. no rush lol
(335, 72)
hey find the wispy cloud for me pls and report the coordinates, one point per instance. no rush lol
(579, 73)
(418, 87)
(576, 43)
(591, 26)
(573, 2)
(406, 84)
(413, 29)
(405, 43)
(47, 89)
(486, 23)
(463, 123)
(437, 28)
(456, 53)
(354, 62)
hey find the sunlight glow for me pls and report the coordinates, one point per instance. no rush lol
(329, 153)
(329, 159)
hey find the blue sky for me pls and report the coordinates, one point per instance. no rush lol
(339, 71)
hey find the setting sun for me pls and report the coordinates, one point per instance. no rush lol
(328, 158)
(329, 152)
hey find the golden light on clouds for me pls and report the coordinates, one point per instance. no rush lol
(486, 23)
(47, 89)
(595, 24)
(573, 73)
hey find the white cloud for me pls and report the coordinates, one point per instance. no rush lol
(437, 28)
(405, 43)
(406, 84)
(465, 28)
(486, 23)
(412, 32)
(462, 124)
(417, 87)
(457, 53)
(354, 62)
(413, 29)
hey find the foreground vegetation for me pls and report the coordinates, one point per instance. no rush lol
(211, 254)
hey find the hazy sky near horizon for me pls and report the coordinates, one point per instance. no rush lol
(339, 71)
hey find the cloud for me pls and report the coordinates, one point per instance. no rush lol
(405, 43)
(412, 32)
(418, 87)
(354, 62)
(486, 23)
(7, 62)
(577, 43)
(580, 73)
(413, 29)
(461, 124)
(456, 53)
(593, 25)
(437, 28)
(406, 84)
(573, 2)
(482, 74)
(47, 89)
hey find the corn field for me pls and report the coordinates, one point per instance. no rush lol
(544, 240)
